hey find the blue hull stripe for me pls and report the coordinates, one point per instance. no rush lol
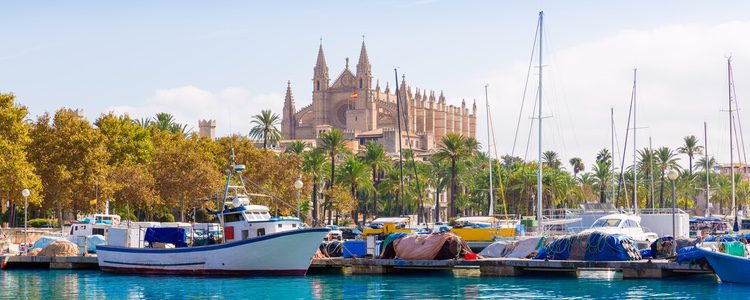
(154, 265)
(209, 247)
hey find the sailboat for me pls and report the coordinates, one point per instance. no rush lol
(253, 243)
(728, 267)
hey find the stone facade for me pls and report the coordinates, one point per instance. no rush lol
(365, 112)
(207, 128)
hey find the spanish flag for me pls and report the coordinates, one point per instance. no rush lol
(355, 95)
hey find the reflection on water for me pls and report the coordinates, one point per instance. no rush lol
(43, 284)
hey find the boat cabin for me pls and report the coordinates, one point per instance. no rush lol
(95, 224)
(244, 221)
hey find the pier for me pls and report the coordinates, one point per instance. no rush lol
(497, 267)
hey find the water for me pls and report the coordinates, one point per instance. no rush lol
(44, 284)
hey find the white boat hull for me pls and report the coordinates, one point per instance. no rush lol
(283, 253)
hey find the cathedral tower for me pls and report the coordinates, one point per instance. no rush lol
(320, 86)
(287, 119)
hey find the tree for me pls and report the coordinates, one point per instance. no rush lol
(666, 159)
(333, 144)
(71, 157)
(551, 159)
(165, 122)
(577, 164)
(691, 148)
(602, 175)
(314, 163)
(296, 147)
(265, 127)
(16, 172)
(125, 140)
(454, 149)
(700, 164)
(375, 157)
(354, 174)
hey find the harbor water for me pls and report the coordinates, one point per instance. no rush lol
(65, 284)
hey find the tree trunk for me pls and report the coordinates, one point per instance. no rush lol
(375, 192)
(661, 191)
(355, 213)
(315, 200)
(452, 205)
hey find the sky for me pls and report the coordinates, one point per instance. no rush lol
(227, 60)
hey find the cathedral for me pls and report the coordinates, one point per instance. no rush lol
(365, 112)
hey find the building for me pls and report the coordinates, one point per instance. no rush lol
(366, 112)
(207, 128)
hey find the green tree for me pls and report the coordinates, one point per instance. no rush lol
(71, 157)
(355, 174)
(16, 172)
(666, 159)
(296, 147)
(333, 144)
(690, 147)
(378, 161)
(314, 164)
(551, 159)
(265, 127)
(577, 164)
(454, 149)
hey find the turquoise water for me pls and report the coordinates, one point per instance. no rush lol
(44, 284)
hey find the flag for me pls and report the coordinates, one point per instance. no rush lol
(92, 202)
(355, 95)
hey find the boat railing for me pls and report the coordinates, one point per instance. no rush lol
(660, 211)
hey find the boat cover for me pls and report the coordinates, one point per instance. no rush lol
(420, 246)
(60, 248)
(524, 248)
(497, 249)
(44, 241)
(594, 246)
(167, 235)
(689, 254)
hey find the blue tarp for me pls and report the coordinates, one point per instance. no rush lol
(727, 238)
(44, 241)
(689, 254)
(167, 235)
(598, 247)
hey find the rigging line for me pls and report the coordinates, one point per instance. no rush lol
(414, 164)
(625, 147)
(525, 89)
(531, 127)
(739, 123)
(500, 186)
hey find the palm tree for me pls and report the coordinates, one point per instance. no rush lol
(577, 164)
(143, 122)
(296, 147)
(454, 148)
(265, 127)
(356, 175)
(378, 160)
(700, 164)
(333, 144)
(666, 159)
(163, 121)
(551, 159)
(604, 156)
(314, 163)
(645, 163)
(602, 175)
(691, 148)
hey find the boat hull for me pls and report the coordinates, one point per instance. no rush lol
(729, 268)
(280, 254)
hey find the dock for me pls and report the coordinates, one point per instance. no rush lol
(490, 267)
(507, 267)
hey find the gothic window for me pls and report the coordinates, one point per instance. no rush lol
(360, 83)
(317, 85)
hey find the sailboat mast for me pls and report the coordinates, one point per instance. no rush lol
(612, 135)
(708, 184)
(731, 136)
(400, 153)
(539, 174)
(489, 153)
(635, 147)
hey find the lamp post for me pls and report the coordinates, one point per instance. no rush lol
(298, 185)
(672, 175)
(26, 194)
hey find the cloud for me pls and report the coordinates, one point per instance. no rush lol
(682, 81)
(231, 107)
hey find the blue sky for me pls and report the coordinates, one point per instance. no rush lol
(229, 59)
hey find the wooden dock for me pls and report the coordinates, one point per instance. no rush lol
(657, 268)
(514, 266)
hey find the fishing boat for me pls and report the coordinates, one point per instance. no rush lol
(729, 268)
(253, 243)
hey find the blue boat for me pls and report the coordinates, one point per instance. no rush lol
(728, 267)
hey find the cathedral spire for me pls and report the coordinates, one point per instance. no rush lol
(320, 64)
(320, 73)
(289, 100)
(364, 61)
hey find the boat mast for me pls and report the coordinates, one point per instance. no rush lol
(539, 159)
(400, 153)
(731, 136)
(489, 153)
(612, 135)
(708, 185)
(635, 129)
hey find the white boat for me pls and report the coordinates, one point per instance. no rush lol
(254, 243)
(626, 224)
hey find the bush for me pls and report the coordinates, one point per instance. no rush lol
(166, 218)
(39, 223)
(346, 222)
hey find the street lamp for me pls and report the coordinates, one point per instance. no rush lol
(298, 185)
(672, 175)
(26, 194)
